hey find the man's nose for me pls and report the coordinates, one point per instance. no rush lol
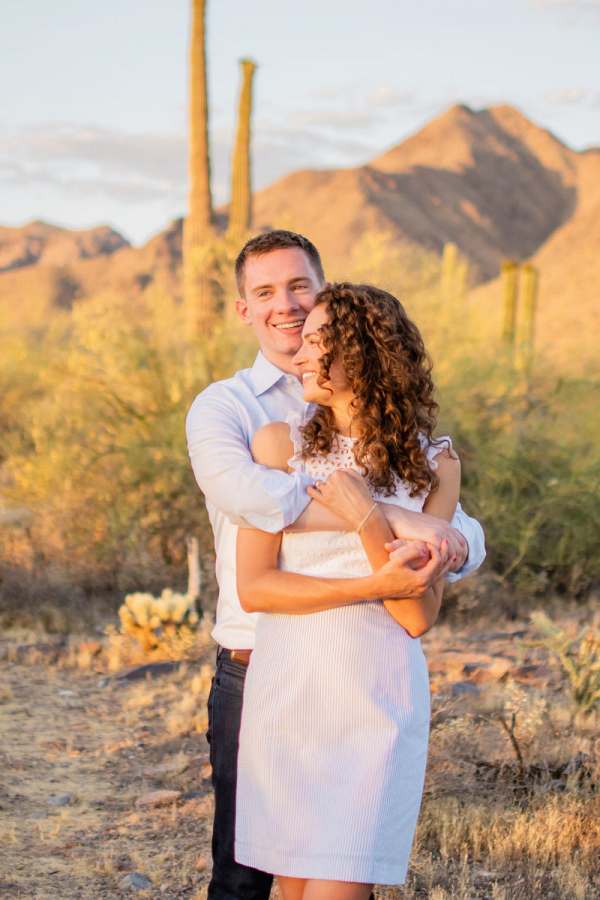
(286, 300)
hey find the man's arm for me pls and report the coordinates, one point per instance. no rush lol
(475, 538)
(249, 495)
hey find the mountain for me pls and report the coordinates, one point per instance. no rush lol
(44, 244)
(568, 315)
(44, 267)
(490, 181)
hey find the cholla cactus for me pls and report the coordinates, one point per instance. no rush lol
(169, 620)
(154, 621)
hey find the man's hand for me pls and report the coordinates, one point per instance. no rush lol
(416, 526)
(346, 494)
(400, 577)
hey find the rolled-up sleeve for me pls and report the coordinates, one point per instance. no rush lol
(248, 494)
(472, 532)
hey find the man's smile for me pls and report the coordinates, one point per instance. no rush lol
(289, 326)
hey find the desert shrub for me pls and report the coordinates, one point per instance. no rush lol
(102, 465)
(93, 450)
(65, 289)
(530, 474)
(578, 658)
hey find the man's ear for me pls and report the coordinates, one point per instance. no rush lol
(241, 307)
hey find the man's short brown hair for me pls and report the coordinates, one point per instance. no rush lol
(276, 240)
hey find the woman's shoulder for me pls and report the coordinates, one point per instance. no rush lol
(437, 450)
(272, 445)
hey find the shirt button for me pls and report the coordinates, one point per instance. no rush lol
(290, 379)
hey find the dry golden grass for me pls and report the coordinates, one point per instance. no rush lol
(482, 834)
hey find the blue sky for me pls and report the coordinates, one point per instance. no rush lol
(93, 125)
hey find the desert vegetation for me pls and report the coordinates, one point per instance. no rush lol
(105, 654)
(105, 779)
(99, 503)
(98, 497)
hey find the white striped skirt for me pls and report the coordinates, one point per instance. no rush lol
(333, 746)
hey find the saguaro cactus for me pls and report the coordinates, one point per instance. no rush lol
(449, 262)
(240, 210)
(528, 292)
(462, 277)
(198, 227)
(510, 271)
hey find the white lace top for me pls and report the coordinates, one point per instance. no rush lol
(338, 554)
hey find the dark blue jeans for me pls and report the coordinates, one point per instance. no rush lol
(229, 881)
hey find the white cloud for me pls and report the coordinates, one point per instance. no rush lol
(347, 91)
(564, 96)
(334, 118)
(157, 155)
(135, 169)
(87, 160)
(281, 149)
(388, 95)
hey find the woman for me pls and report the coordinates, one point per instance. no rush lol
(336, 704)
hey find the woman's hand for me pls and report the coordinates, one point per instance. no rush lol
(457, 551)
(345, 493)
(409, 526)
(411, 571)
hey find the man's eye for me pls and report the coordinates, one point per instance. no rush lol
(300, 287)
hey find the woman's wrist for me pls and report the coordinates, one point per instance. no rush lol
(365, 517)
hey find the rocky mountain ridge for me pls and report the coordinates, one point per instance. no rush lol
(491, 181)
(39, 243)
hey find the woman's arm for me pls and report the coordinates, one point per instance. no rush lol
(262, 584)
(419, 615)
(262, 587)
(348, 491)
(415, 615)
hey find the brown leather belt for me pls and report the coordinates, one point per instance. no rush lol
(241, 656)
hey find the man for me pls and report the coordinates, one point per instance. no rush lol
(278, 276)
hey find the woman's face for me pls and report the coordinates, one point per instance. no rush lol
(337, 390)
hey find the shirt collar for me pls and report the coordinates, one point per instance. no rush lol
(263, 374)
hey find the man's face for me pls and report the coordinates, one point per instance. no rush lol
(279, 292)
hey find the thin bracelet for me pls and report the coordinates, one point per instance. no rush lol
(365, 518)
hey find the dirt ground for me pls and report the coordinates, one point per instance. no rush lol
(106, 743)
(82, 747)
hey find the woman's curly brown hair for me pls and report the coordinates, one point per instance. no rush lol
(383, 357)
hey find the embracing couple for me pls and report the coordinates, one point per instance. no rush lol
(336, 521)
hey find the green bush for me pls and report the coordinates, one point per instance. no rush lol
(92, 444)
(98, 458)
(530, 475)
